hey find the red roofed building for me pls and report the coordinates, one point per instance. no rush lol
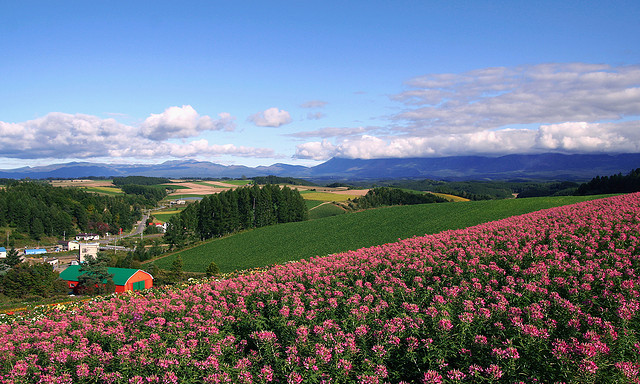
(125, 279)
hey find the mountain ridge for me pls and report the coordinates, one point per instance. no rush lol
(538, 166)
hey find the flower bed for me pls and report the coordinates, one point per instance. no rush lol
(551, 296)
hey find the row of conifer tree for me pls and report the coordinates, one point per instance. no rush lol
(235, 210)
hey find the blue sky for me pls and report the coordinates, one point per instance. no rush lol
(299, 82)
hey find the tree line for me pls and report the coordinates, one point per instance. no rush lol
(139, 180)
(612, 184)
(382, 196)
(38, 209)
(235, 210)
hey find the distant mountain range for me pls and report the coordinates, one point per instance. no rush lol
(509, 167)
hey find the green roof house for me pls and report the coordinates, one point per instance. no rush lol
(125, 279)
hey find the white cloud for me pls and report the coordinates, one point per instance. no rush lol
(540, 94)
(315, 116)
(183, 122)
(316, 150)
(330, 132)
(573, 137)
(314, 104)
(569, 108)
(66, 136)
(272, 117)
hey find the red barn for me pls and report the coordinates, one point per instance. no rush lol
(125, 279)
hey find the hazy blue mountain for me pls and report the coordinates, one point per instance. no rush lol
(542, 166)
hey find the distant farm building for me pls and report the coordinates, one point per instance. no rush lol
(125, 279)
(3, 252)
(87, 236)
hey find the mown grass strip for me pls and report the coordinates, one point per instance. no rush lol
(295, 241)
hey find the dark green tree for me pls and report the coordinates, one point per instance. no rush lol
(94, 274)
(176, 269)
(32, 280)
(13, 258)
(213, 269)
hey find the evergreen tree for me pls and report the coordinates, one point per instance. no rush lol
(213, 269)
(94, 274)
(13, 258)
(176, 269)
(32, 280)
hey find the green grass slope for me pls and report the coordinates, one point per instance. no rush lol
(295, 241)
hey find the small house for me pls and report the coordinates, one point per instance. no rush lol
(87, 249)
(3, 252)
(87, 236)
(69, 245)
(125, 279)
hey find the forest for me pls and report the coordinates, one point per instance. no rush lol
(235, 210)
(618, 183)
(381, 196)
(40, 210)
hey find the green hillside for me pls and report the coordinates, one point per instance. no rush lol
(294, 241)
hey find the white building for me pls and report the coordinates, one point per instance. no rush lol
(87, 236)
(87, 249)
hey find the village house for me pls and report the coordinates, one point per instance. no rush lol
(3, 252)
(87, 249)
(87, 236)
(125, 279)
(69, 245)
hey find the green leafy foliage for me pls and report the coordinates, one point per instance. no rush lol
(382, 196)
(212, 269)
(612, 184)
(13, 258)
(38, 209)
(271, 179)
(95, 276)
(234, 210)
(152, 194)
(24, 280)
(139, 180)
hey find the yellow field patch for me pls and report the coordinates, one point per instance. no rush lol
(450, 197)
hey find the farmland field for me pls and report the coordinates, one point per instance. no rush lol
(294, 241)
(326, 196)
(325, 210)
(112, 191)
(546, 297)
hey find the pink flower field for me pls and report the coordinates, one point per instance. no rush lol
(547, 297)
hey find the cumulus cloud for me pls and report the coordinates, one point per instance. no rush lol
(272, 117)
(571, 137)
(183, 122)
(62, 136)
(568, 108)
